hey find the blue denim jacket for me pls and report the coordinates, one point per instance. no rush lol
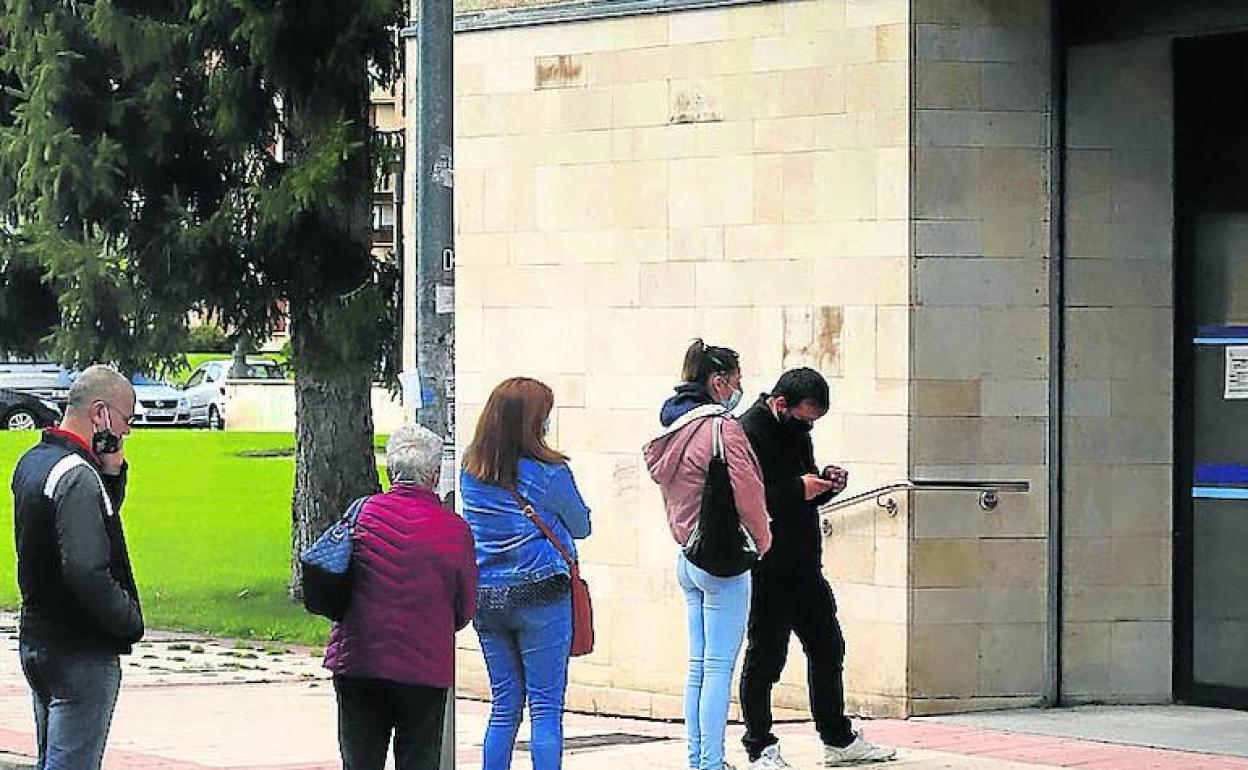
(510, 548)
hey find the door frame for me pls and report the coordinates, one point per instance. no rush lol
(1186, 689)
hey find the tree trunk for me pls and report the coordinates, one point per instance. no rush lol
(334, 458)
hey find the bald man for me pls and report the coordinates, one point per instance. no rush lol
(80, 607)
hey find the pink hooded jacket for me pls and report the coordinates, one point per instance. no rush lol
(678, 460)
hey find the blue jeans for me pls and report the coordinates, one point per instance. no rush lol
(526, 653)
(718, 610)
(74, 695)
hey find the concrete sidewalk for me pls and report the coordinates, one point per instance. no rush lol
(194, 704)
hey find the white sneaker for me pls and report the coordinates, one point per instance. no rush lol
(860, 752)
(770, 759)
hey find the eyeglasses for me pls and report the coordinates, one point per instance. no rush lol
(129, 418)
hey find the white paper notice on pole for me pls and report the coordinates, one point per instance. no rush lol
(444, 299)
(410, 381)
(1236, 372)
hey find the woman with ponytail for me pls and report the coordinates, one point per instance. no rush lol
(678, 461)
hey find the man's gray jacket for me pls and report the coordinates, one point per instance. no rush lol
(73, 569)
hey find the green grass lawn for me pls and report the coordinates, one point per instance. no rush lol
(208, 531)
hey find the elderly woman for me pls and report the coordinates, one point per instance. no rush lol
(414, 584)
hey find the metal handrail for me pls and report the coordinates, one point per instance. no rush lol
(989, 493)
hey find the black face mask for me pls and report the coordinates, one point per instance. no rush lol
(104, 441)
(795, 424)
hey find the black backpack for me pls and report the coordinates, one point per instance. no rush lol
(719, 544)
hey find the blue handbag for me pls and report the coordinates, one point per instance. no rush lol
(327, 567)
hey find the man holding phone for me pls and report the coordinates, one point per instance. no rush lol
(80, 606)
(790, 594)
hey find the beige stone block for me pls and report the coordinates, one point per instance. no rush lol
(702, 60)
(875, 281)
(944, 660)
(754, 242)
(1011, 659)
(536, 286)
(1014, 177)
(724, 138)
(708, 191)
(892, 42)
(639, 195)
(961, 440)
(1014, 398)
(946, 398)
(892, 183)
(668, 284)
(698, 26)
(860, 344)
(869, 238)
(695, 243)
(792, 52)
(644, 341)
(1118, 603)
(640, 104)
(788, 134)
(815, 91)
(752, 95)
(799, 188)
(892, 568)
(806, 16)
(637, 245)
(639, 65)
(1014, 562)
(769, 189)
(1140, 560)
(1086, 561)
(982, 282)
(875, 662)
(876, 13)
(813, 335)
(753, 283)
(513, 340)
(948, 183)
(948, 85)
(845, 185)
(611, 285)
(585, 247)
(844, 130)
(849, 559)
(1013, 604)
(1016, 343)
(1141, 656)
(947, 343)
(653, 143)
(1085, 659)
(483, 249)
(877, 439)
(871, 397)
(892, 343)
(877, 87)
(1141, 503)
(946, 563)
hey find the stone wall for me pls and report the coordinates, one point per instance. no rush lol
(1120, 373)
(740, 174)
(979, 350)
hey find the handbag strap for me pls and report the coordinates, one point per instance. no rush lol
(353, 511)
(717, 439)
(529, 512)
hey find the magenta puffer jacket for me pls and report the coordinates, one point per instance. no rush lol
(414, 584)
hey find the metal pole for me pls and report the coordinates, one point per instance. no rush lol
(1057, 351)
(432, 77)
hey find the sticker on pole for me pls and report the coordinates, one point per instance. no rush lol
(444, 299)
(1236, 372)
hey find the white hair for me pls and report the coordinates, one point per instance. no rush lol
(414, 456)
(98, 383)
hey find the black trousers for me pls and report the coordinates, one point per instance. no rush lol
(801, 604)
(370, 710)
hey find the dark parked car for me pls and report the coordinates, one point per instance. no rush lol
(20, 411)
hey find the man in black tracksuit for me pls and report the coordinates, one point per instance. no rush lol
(80, 606)
(790, 594)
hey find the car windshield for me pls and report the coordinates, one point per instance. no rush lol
(143, 379)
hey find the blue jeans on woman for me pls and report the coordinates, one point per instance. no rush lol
(526, 653)
(718, 610)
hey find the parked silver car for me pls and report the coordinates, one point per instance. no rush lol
(206, 394)
(159, 403)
